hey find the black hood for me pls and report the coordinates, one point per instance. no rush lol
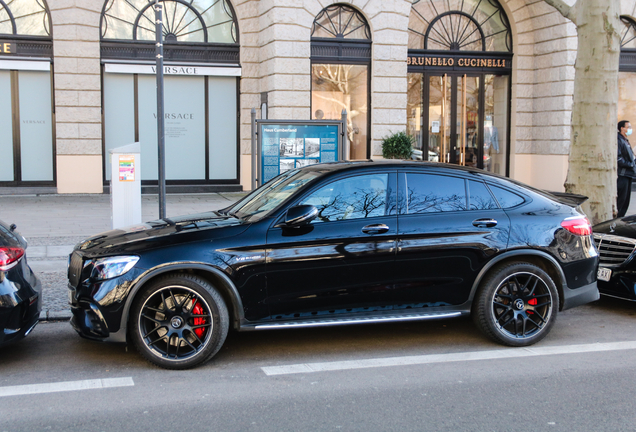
(625, 227)
(169, 230)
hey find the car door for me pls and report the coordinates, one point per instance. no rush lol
(343, 260)
(448, 228)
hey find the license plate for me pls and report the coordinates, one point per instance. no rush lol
(604, 274)
(71, 297)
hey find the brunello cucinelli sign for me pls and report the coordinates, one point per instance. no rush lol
(458, 62)
(7, 47)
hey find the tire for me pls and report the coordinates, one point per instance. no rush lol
(516, 304)
(179, 322)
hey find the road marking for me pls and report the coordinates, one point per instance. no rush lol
(443, 358)
(65, 386)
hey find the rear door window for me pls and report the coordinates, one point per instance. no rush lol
(480, 197)
(430, 193)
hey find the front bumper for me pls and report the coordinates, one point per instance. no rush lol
(622, 284)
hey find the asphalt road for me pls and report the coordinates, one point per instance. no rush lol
(448, 388)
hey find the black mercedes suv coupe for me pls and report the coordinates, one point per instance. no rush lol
(341, 243)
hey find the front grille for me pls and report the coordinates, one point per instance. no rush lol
(613, 250)
(75, 269)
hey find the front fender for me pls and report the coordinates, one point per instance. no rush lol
(139, 283)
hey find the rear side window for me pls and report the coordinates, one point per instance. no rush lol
(427, 193)
(506, 198)
(480, 197)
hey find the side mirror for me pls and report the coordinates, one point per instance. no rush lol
(300, 215)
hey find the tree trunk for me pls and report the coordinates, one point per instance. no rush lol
(592, 159)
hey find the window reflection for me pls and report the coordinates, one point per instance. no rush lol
(430, 193)
(351, 198)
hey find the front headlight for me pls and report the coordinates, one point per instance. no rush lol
(108, 268)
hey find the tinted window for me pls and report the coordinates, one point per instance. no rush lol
(480, 197)
(426, 193)
(506, 198)
(350, 198)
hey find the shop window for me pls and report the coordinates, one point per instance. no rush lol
(201, 103)
(340, 71)
(26, 141)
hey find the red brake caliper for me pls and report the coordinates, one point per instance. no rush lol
(532, 302)
(197, 309)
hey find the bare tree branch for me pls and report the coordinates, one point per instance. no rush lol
(565, 10)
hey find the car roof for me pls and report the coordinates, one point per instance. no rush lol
(394, 163)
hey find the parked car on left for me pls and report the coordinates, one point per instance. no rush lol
(20, 289)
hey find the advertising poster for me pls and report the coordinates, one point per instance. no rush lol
(126, 168)
(289, 146)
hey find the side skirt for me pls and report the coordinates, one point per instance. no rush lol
(348, 320)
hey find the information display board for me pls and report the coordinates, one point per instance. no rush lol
(288, 144)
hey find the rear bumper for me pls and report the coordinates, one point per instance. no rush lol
(580, 296)
(18, 321)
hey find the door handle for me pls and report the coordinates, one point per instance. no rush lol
(375, 229)
(484, 223)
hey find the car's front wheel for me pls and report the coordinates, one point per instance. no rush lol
(516, 304)
(179, 321)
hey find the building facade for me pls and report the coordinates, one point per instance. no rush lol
(484, 83)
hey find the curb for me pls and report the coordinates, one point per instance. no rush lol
(52, 316)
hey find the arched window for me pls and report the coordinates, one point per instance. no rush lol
(24, 18)
(459, 26)
(204, 30)
(340, 71)
(628, 35)
(340, 22)
(26, 138)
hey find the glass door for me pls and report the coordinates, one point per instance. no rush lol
(454, 130)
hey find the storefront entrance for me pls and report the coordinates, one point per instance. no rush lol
(458, 102)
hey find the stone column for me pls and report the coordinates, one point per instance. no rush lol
(76, 66)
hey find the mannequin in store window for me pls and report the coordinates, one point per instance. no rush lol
(491, 142)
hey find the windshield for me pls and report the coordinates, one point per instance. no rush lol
(263, 200)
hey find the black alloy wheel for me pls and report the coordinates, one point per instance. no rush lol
(179, 321)
(516, 304)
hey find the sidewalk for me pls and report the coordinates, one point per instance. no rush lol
(53, 224)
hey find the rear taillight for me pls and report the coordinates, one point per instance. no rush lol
(9, 257)
(578, 225)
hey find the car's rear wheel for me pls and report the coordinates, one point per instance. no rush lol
(516, 304)
(179, 321)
